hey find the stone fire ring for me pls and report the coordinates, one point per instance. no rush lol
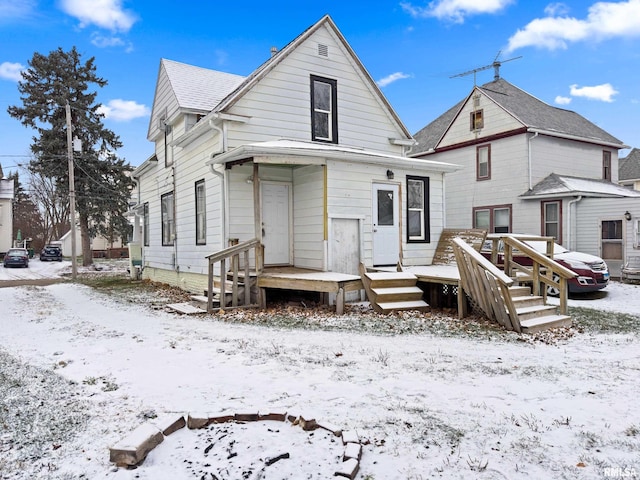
(134, 448)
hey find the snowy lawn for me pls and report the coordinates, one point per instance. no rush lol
(428, 395)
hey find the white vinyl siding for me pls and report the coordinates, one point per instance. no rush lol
(279, 105)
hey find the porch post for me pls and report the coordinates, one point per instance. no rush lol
(257, 214)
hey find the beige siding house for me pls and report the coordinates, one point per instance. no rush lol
(531, 168)
(305, 154)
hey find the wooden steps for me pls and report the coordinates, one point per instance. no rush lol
(533, 314)
(392, 291)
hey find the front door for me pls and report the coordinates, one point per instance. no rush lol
(275, 223)
(386, 224)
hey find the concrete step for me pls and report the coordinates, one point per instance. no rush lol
(544, 323)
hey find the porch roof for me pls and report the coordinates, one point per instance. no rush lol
(304, 153)
(566, 186)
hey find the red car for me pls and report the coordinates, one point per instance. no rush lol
(593, 273)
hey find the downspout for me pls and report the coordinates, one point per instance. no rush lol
(529, 160)
(570, 204)
(222, 131)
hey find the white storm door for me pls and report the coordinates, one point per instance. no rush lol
(275, 223)
(386, 224)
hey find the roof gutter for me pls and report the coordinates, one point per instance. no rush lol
(577, 138)
(257, 151)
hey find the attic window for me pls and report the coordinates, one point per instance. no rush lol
(477, 120)
(323, 50)
(324, 113)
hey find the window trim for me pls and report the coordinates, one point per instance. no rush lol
(606, 165)
(170, 222)
(492, 209)
(426, 217)
(145, 224)
(332, 114)
(201, 236)
(486, 146)
(543, 219)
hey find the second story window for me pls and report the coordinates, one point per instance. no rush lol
(606, 165)
(483, 162)
(324, 111)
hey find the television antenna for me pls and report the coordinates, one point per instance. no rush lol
(495, 65)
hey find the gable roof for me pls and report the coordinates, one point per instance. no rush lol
(194, 89)
(531, 112)
(629, 166)
(567, 186)
(278, 57)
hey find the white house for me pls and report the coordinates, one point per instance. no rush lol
(6, 213)
(532, 168)
(305, 155)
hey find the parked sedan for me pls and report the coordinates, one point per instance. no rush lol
(16, 257)
(593, 273)
(51, 253)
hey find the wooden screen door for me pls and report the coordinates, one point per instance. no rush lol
(276, 226)
(386, 224)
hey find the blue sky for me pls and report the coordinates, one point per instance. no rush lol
(579, 55)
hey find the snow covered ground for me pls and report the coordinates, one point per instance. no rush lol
(80, 369)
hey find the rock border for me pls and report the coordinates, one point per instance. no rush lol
(134, 448)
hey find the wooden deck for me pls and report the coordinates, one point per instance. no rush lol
(291, 278)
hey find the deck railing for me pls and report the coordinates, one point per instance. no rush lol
(534, 267)
(486, 284)
(231, 257)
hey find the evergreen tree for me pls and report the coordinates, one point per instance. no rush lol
(102, 183)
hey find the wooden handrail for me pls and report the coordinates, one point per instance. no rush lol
(543, 269)
(486, 284)
(233, 254)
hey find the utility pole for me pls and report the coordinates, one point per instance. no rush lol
(72, 193)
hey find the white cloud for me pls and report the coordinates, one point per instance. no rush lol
(604, 20)
(603, 93)
(107, 14)
(11, 9)
(555, 9)
(455, 10)
(394, 77)
(560, 100)
(123, 110)
(11, 71)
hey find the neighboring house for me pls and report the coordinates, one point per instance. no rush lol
(532, 168)
(312, 135)
(6, 213)
(629, 170)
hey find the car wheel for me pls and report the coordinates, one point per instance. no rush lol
(554, 291)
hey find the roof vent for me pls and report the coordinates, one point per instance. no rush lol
(323, 50)
(274, 50)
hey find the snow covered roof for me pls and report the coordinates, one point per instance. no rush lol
(302, 152)
(562, 185)
(199, 88)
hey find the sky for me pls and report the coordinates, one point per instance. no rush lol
(88, 368)
(578, 54)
